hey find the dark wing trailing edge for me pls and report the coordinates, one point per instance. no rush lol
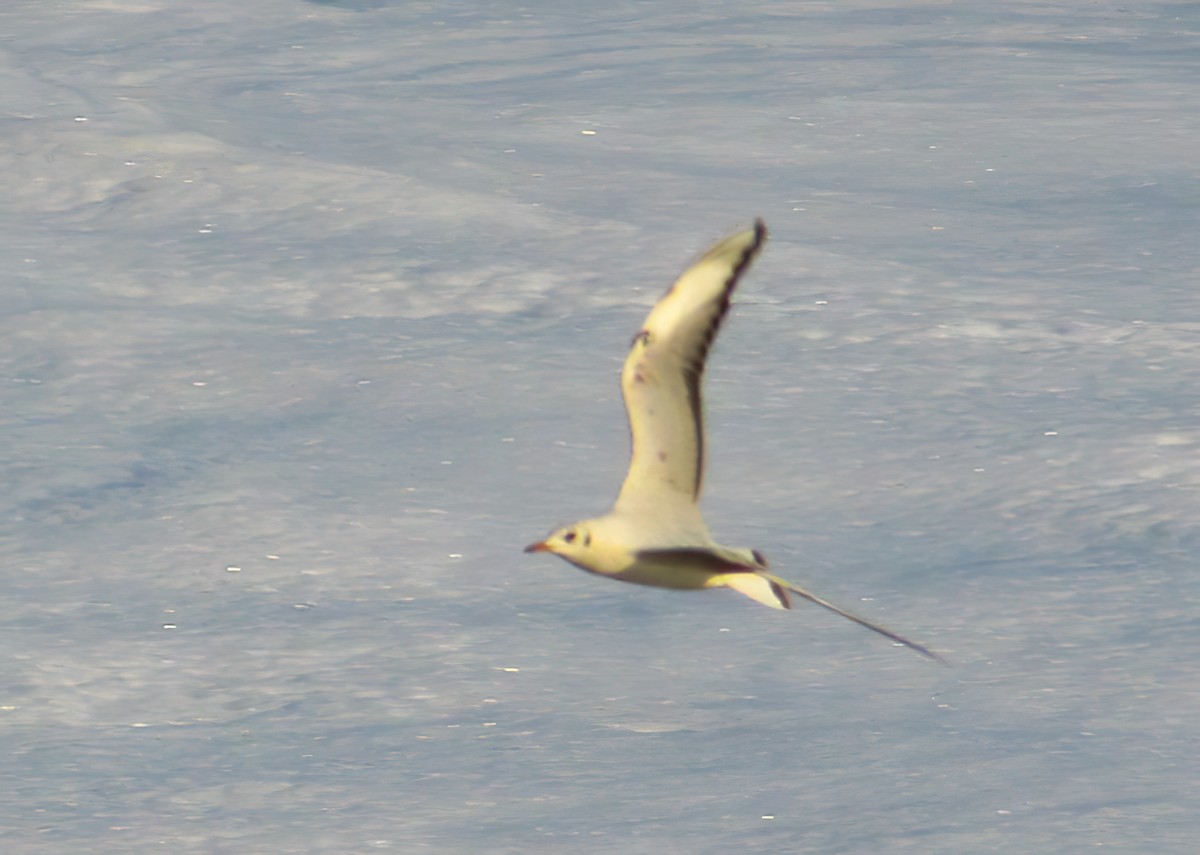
(693, 371)
(694, 558)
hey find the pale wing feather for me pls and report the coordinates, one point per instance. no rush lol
(661, 380)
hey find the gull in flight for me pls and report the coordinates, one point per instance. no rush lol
(655, 534)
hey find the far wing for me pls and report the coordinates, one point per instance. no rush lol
(662, 377)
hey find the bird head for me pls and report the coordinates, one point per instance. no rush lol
(570, 542)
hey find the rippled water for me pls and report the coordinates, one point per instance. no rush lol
(312, 318)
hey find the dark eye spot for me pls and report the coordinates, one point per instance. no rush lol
(569, 537)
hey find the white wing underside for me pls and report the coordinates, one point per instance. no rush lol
(661, 384)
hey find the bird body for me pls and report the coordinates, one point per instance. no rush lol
(655, 533)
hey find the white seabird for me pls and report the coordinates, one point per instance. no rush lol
(655, 534)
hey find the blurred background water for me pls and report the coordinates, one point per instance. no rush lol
(312, 317)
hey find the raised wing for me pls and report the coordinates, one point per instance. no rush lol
(662, 377)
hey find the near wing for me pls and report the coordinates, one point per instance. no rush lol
(662, 374)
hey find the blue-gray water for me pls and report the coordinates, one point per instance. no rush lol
(311, 318)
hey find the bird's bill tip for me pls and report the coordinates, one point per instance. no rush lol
(540, 546)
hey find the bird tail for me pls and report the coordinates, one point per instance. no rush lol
(773, 591)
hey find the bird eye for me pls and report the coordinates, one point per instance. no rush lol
(569, 537)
